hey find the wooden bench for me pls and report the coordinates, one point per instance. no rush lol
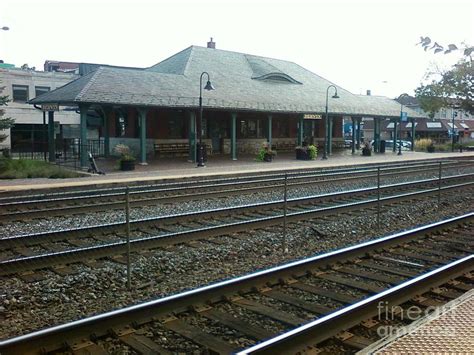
(176, 149)
(284, 146)
(171, 149)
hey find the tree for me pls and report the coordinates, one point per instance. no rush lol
(7, 122)
(455, 87)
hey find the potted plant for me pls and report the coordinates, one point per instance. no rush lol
(306, 152)
(127, 160)
(266, 153)
(366, 151)
(430, 148)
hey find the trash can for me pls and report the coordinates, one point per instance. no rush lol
(382, 146)
(200, 151)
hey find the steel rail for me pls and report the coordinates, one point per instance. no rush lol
(53, 338)
(36, 238)
(12, 266)
(203, 191)
(89, 204)
(329, 325)
(160, 188)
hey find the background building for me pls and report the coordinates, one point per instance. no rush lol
(29, 131)
(256, 100)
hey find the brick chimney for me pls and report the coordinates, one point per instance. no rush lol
(211, 44)
(368, 92)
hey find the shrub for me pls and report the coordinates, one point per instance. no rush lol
(265, 153)
(125, 152)
(313, 151)
(24, 169)
(423, 144)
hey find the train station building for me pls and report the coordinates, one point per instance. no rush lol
(254, 99)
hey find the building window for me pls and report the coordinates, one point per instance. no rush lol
(176, 126)
(282, 128)
(251, 128)
(20, 93)
(121, 124)
(40, 90)
(28, 137)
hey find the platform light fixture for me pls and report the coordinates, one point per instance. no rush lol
(326, 124)
(208, 87)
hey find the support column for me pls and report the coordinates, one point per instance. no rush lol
(358, 134)
(313, 126)
(330, 136)
(300, 131)
(84, 147)
(413, 132)
(51, 137)
(395, 123)
(377, 135)
(270, 131)
(142, 123)
(106, 111)
(353, 144)
(192, 136)
(233, 137)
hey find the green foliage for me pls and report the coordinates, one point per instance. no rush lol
(313, 151)
(25, 169)
(265, 151)
(425, 42)
(429, 98)
(454, 87)
(7, 122)
(125, 152)
(260, 155)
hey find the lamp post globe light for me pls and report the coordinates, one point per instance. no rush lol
(326, 123)
(208, 87)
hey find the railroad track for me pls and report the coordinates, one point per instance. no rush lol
(79, 202)
(35, 251)
(335, 288)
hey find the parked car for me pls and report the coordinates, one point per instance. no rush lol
(406, 145)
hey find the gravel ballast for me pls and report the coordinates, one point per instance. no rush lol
(25, 307)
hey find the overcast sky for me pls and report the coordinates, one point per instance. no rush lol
(356, 44)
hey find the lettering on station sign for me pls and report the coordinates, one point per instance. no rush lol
(50, 107)
(312, 116)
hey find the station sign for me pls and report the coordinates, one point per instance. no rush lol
(50, 107)
(404, 116)
(312, 116)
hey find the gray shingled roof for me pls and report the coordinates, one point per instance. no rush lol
(242, 82)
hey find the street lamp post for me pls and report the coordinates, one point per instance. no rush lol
(400, 131)
(452, 130)
(400, 98)
(326, 123)
(208, 87)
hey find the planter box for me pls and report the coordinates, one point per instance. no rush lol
(127, 165)
(302, 154)
(366, 152)
(268, 157)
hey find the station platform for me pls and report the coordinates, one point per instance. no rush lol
(449, 330)
(218, 165)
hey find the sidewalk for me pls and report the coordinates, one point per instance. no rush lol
(218, 165)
